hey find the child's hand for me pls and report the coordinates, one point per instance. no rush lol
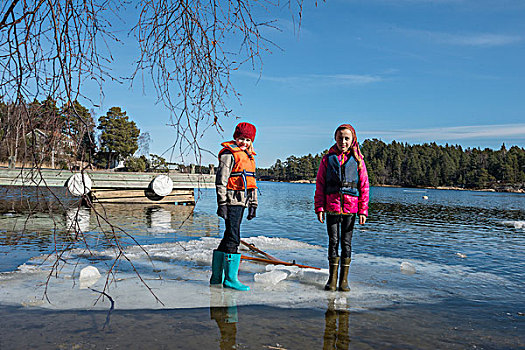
(362, 219)
(251, 213)
(320, 216)
(222, 211)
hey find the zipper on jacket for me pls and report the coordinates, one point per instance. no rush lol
(341, 207)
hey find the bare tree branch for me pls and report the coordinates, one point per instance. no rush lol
(187, 49)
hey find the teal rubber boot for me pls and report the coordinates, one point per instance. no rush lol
(231, 269)
(217, 268)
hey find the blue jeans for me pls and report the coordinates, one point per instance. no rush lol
(232, 235)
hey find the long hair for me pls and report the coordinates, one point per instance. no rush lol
(356, 151)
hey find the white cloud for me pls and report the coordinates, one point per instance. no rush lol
(482, 40)
(453, 133)
(464, 39)
(319, 79)
(316, 130)
(346, 78)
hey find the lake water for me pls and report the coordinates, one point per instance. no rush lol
(443, 272)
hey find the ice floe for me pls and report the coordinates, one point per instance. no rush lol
(407, 268)
(89, 275)
(176, 275)
(515, 224)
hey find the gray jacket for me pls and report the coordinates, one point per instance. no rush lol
(231, 197)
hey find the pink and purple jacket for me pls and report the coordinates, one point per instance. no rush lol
(338, 203)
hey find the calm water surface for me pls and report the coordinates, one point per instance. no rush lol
(478, 232)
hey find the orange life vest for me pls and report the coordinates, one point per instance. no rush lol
(242, 176)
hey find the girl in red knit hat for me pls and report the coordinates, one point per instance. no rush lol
(236, 190)
(341, 194)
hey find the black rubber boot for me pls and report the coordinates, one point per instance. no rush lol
(343, 278)
(332, 279)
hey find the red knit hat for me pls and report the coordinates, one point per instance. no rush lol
(246, 130)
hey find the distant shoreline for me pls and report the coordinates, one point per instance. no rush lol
(506, 190)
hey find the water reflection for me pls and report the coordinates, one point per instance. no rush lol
(337, 329)
(25, 233)
(225, 315)
(77, 220)
(162, 220)
(155, 218)
(158, 219)
(72, 220)
(136, 220)
(39, 199)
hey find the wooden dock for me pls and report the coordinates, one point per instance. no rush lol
(114, 187)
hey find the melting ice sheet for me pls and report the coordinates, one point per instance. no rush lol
(178, 275)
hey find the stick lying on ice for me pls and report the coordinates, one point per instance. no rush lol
(257, 250)
(278, 262)
(270, 259)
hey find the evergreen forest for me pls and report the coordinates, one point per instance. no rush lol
(426, 165)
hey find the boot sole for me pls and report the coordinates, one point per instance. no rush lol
(242, 289)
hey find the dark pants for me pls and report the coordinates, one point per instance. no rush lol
(340, 227)
(227, 328)
(232, 235)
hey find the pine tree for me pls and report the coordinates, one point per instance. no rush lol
(119, 137)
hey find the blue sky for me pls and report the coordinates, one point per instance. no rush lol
(416, 71)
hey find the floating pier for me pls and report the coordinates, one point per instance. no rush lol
(114, 187)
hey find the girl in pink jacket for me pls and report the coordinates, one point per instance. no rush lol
(341, 192)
